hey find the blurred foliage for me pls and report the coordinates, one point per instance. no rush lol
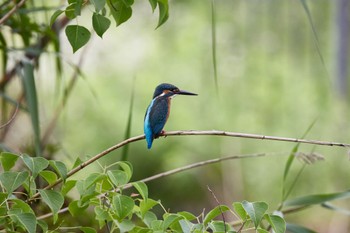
(261, 55)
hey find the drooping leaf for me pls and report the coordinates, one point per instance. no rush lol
(119, 11)
(153, 4)
(163, 7)
(77, 36)
(53, 199)
(12, 180)
(75, 209)
(123, 206)
(100, 24)
(43, 225)
(8, 160)
(219, 210)
(277, 223)
(142, 189)
(35, 165)
(316, 199)
(255, 210)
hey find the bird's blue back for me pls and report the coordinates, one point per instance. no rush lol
(155, 118)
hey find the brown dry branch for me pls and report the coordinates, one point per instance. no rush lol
(191, 132)
(11, 12)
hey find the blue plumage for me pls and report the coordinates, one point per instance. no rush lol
(158, 111)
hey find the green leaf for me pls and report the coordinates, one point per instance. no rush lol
(77, 36)
(22, 206)
(219, 210)
(123, 206)
(148, 218)
(119, 11)
(35, 165)
(27, 220)
(87, 229)
(8, 160)
(77, 162)
(60, 168)
(142, 189)
(49, 176)
(28, 81)
(147, 205)
(255, 210)
(163, 7)
(153, 4)
(67, 186)
(187, 215)
(117, 177)
(53, 199)
(102, 215)
(316, 199)
(170, 219)
(43, 225)
(12, 180)
(126, 225)
(100, 24)
(75, 209)
(98, 4)
(293, 228)
(260, 230)
(55, 15)
(127, 167)
(186, 226)
(238, 208)
(277, 223)
(219, 226)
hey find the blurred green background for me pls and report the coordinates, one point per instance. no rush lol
(271, 81)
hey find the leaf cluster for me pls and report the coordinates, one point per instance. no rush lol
(120, 10)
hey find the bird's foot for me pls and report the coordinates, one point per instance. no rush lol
(162, 133)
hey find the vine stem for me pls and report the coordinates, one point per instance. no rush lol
(190, 132)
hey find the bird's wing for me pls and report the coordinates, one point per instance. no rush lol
(158, 115)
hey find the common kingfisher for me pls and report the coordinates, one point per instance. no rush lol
(158, 111)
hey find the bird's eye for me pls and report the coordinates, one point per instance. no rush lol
(175, 90)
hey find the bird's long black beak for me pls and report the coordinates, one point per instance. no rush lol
(182, 92)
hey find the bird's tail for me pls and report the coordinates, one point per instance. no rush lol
(149, 140)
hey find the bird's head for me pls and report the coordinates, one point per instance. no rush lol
(169, 90)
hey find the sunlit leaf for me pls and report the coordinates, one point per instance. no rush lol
(145, 206)
(219, 210)
(142, 189)
(67, 186)
(77, 36)
(153, 4)
(123, 206)
(117, 177)
(238, 208)
(170, 219)
(49, 176)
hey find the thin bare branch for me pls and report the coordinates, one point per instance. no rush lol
(12, 118)
(192, 132)
(11, 12)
